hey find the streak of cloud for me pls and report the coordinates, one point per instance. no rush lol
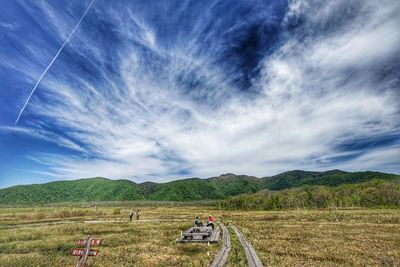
(52, 61)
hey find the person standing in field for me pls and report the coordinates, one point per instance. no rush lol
(130, 215)
(137, 215)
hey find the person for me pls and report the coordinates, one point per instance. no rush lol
(130, 215)
(197, 222)
(137, 215)
(210, 222)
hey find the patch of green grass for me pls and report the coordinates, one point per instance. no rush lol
(237, 257)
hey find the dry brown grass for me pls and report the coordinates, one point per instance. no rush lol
(357, 237)
(323, 237)
(33, 241)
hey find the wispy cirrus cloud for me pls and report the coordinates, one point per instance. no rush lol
(53, 60)
(151, 96)
(8, 26)
(42, 135)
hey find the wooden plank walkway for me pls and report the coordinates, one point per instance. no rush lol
(252, 259)
(222, 256)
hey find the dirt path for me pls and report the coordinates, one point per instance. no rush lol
(222, 256)
(252, 259)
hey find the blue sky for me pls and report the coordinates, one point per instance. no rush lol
(161, 90)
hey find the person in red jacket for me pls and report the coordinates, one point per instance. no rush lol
(210, 222)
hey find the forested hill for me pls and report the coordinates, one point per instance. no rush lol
(329, 178)
(103, 189)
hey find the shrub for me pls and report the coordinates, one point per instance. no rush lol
(117, 211)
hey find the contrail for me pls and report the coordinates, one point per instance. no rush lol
(52, 61)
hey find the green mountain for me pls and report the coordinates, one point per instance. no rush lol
(329, 178)
(103, 189)
(92, 189)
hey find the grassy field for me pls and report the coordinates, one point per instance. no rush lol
(44, 236)
(356, 237)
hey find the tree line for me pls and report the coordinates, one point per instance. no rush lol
(375, 193)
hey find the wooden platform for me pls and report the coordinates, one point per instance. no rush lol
(199, 234)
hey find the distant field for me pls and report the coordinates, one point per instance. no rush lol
(44, 236)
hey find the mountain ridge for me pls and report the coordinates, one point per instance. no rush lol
(189, 189)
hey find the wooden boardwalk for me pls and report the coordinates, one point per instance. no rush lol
(222, 256)
(252, 259)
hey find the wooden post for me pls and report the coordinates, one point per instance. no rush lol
(83, 259)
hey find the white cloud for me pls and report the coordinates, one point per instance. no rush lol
(43, 135)
(150, 126)
(9, 26)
